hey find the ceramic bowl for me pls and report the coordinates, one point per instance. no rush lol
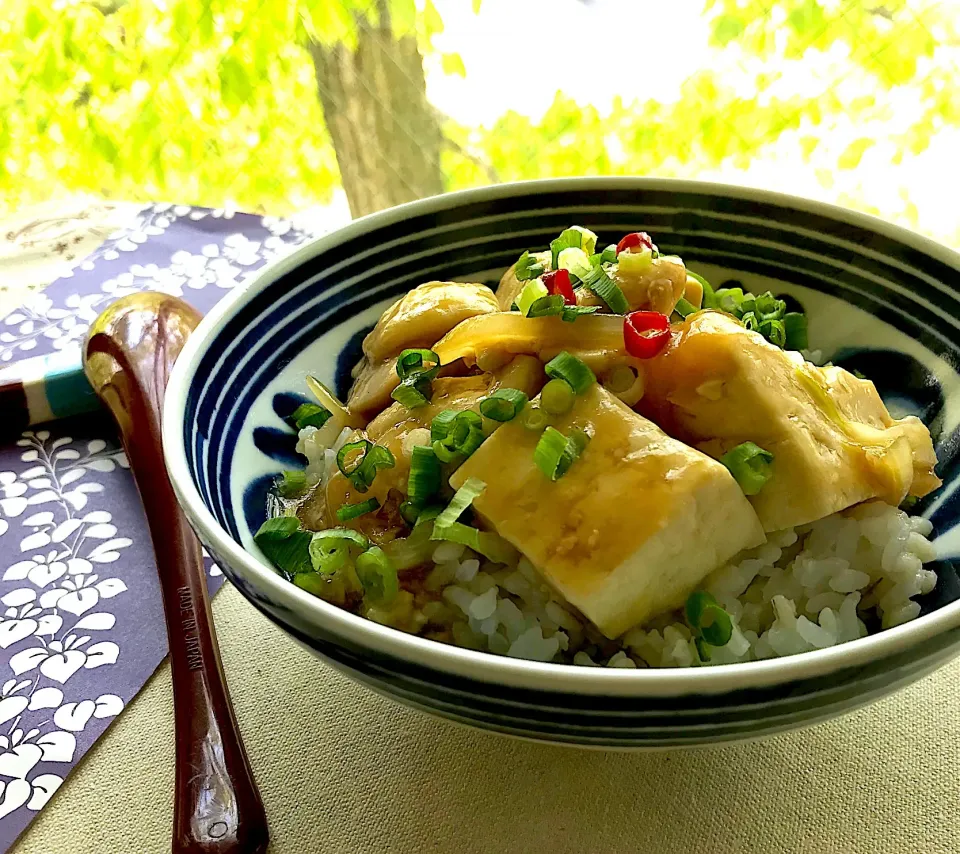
(879, 298)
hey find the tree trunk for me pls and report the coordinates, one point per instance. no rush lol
(385, 133)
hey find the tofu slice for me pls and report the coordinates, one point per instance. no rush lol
(833, 441)
(632, 527)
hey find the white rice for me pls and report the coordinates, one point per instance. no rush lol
(804, 589)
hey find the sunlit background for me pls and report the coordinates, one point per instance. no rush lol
(335, 108)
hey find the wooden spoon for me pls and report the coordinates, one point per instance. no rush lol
(129, 355)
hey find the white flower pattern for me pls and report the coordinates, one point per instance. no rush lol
(55, 607)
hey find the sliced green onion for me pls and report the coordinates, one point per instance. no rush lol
(491, 546)
(330, 549)
(461, 435)
(534, 418)
(747, 305)
(312, 582)
(566, 367)
(528, 267)
(749, 321)
(795, 328)
(768, 307)
(555, 453)
(408, 552)
(462, 499)
(546, 306)
(378, 576)
(685, 308)
(362, 470)
(575, 261)
(503, 405)
(291, 483)
(569, 238)
(532, 291)
(557, 397)
(352, 511)
(709, 296)
(409, 512)
(310, 415)
(570, 313)
(285, 545)
(774, 332)
(703, 649)
(442, 423)
(412, 395)
(599, 283)
(413, 361)
(429, 513)
(424, 480)
(729, 299)
(707, 619)
(609, 255)
(750, 465)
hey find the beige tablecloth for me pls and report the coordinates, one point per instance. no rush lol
(343, 770)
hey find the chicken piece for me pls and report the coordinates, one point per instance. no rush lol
(632, 527)
(833, 441)
(654, 286)
(419, 319)
(424, 315)
(510, 286)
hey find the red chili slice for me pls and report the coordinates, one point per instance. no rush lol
(636, 238)
(558, 282)
(645, 333)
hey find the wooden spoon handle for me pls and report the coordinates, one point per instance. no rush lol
(129, 356)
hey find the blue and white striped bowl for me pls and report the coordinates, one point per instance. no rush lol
(879, 298)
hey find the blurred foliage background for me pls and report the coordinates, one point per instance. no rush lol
(290, 105)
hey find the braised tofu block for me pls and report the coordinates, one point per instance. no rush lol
(833, 442)
(630, 529)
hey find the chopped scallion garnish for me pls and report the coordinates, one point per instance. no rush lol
(685, 308)
(309, 415)
(557, 397)
(424, 480)
(729, 300)
(378, 576)
(546, 306)
(795, 328)
(750, 465)
(570, 313)
(708, 620)
(359, 462)
(534, 418)
(567, 367)
(768, 307)
(709, 297)
(458, 436)
(749, 321)
(412, 395)
(462, 499)
(609, 255)
(415, 361)
(503, 405)
(532, 292)
(285, 545)
(489, 545)
(774, 332)
(291, 483)
(570, 238)
(351, 511)
(555, 453)
(599, 283)
(528, 267)
(330, 549)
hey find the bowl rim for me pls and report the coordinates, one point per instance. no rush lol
(487, 667)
